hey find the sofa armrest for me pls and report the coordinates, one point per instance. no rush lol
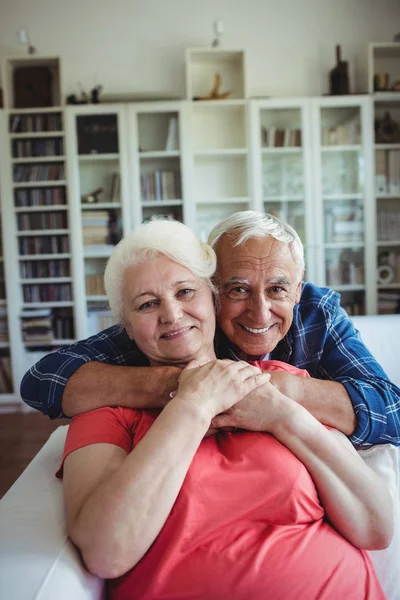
(37, 559)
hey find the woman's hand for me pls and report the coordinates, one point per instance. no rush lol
(218, 384)
(260, 410)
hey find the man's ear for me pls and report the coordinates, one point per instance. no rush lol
(298, 290)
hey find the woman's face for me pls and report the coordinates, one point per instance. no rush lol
(169, 312)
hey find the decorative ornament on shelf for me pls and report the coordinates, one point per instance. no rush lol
(339, 77)
(23, 36)
(387, 130)
(215, 94)
(84, 97)
(92, 197)
(218, 27)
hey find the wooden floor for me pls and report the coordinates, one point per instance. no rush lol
(21, 437)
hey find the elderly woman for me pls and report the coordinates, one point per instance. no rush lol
(164, 510)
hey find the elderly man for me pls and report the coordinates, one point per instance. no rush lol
(264, 311)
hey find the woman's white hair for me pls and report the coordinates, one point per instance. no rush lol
(250, 224)
(157, 237)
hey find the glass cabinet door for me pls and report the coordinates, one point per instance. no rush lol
(280, 141)
(342, 198)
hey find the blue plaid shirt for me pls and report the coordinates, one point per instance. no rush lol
(321, 339)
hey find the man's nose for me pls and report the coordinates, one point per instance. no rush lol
(259, 308)
(171, 311)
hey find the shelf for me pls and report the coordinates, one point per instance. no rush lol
(388, 286)
(29, 305)
(342, 148)
(342, 197)
(29, 184)
(4, 344)
(37, 134)
(221, 152)
(38, 159)
(388, 244)
(97, 251)
(387, 146)
(34, 280)
(159, 154)
(46, 208)
(100, 205)
(55, 342)
(283, 198)
(217, 103)
(388, 196)
(97, 298)
(341, 245)
(160, 203)
(348, 287)
(33, 111)
(386, 96)
(95, 157)
(282, 150)
(216, 201)
(44, 256)
(33, 232)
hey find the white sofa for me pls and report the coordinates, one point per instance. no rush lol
(37, 560)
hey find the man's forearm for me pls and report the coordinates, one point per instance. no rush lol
(328, 401)
(96, 384)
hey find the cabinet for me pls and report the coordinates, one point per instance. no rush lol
(280, 166)
(218, 135)
(343, 193)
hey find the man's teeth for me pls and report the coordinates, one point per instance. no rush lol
(264, 330)
(167, 335)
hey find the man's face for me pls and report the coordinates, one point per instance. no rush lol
(259, 285)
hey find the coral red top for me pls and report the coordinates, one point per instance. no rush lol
(247, 523)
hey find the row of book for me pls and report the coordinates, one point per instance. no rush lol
(35, 123)
(341, 135)
(161, 185)
(34, 269)
(95, 285)
(42, 220)
(45, 325)
(49, 196)
(344, 224)
(387, 171)
(388, 225)
(46, 244)
(38, 172)
(275, 137)
(388, 302)
(95, 227)
(343, 272)
(55, 292)
(354, 308)
(6, 386)
(3, 325)
(38, 147)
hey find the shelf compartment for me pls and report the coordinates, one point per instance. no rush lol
(220, 177)
(203, 63)
(218, 129)
(158, 134)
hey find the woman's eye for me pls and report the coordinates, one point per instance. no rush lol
(147, 305)
(186, 292)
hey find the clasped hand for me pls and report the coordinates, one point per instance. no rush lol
(233, 394)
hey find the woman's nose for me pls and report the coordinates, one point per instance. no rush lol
(171, 311)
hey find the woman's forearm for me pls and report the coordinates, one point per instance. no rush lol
(355, 499)
(96, 384)
(123, 516)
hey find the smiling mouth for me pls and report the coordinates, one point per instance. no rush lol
(172, 334)
(256, 331)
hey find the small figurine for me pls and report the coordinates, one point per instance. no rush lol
(215, 94)
(92, 197)
(95, 93)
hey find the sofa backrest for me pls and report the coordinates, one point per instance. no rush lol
(381, 334)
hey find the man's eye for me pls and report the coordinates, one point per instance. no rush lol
(237, 291)
(276, 290)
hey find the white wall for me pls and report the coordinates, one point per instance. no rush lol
(134, 46)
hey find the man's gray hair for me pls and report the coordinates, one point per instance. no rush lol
(157, 237)
(250, 224)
